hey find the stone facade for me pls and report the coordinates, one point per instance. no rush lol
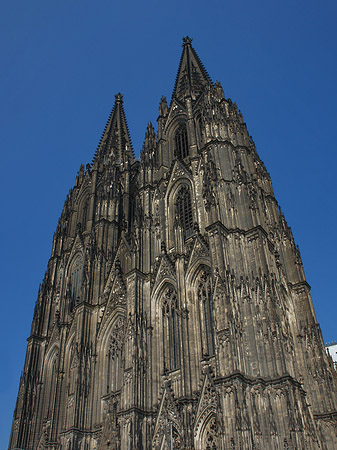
(175, 313)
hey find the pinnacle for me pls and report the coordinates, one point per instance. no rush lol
(150, 136)
(150, 127)
(163, 107)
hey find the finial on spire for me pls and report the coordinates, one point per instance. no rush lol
(119, 98)
(187, 40)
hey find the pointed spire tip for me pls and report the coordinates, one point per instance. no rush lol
(192, 77)
(187, 40)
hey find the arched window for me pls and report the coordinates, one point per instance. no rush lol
(85, 211)
(76, 280)
(184, 211)
(171, 332)
(206, 312)
(50, 381)
(114, 357)
(52, 388)
(199, 130)
(181, 142)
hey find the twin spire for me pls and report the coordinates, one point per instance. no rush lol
(115, 144)
(192, 77)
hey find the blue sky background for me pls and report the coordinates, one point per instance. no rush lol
(61, 65)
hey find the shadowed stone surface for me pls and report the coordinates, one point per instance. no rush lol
(175, 313)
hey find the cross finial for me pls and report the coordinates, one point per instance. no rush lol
(119, 98)
(187, 40)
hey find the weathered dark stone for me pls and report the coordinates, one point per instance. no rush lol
(174, 313)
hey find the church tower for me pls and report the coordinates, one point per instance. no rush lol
(174, 312)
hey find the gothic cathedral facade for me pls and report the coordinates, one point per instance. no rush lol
(174, 312)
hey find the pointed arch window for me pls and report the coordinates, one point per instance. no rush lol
(184, 211)
(85, 214)
(181, 142)
(76, 280)
(171, 330)
(113, 364)
(52, 387)
(199, 130)
(206, 312)
(50, 382)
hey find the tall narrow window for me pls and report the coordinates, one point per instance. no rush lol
(50, 383)
(206, 312)
(184, 211)
(85, 214)
(171, 330)
(76, 281)
(113, 363)
(181, 142)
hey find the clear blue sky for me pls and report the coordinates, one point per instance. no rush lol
(61, 64)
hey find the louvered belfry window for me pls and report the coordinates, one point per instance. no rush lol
(181, 142)
(184, 211)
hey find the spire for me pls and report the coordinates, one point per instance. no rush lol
(149, 145)
(192, 76)
(150, 137)
(115, 143)
(163, 107)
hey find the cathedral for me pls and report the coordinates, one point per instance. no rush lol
(174, 312)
